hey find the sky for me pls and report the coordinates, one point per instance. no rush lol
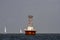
(14, 15)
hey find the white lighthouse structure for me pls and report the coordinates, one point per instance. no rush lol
(30, 29)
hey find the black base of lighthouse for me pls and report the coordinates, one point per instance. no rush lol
(30, 32)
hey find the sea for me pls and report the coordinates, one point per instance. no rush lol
(38, 36)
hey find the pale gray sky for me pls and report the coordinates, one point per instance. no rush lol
(14, 14)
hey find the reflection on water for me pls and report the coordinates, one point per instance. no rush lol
(29, 37)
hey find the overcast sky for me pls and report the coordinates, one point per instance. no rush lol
(14, 15)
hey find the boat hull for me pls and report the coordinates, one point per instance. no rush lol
(30, 32)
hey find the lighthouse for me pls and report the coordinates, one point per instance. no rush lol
(30, 30)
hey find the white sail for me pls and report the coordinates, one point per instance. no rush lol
(20, 31)
(5, 29)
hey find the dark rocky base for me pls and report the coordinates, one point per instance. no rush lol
(29, 37)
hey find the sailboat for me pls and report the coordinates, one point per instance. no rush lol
(20, 31)
(5, 29)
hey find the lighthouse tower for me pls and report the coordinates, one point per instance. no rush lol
(30, 29)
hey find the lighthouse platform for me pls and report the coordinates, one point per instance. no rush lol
(27, 32)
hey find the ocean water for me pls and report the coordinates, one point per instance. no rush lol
(29, 37)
